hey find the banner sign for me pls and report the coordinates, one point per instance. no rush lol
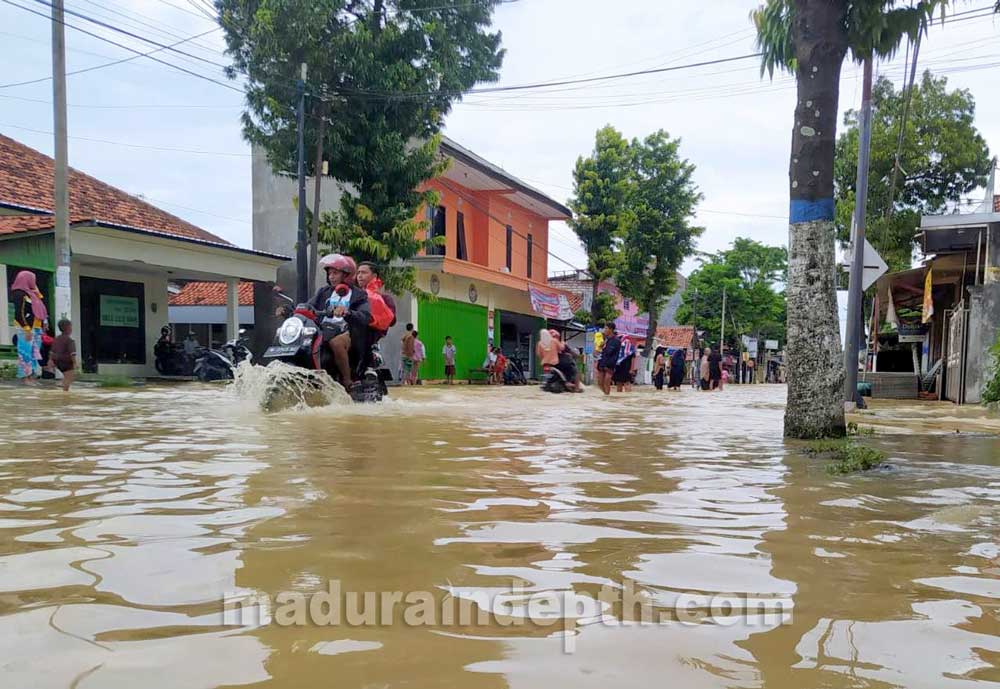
(637, 326)
(550, 305)
(119, 312)
(928, 310)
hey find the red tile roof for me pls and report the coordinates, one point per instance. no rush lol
(26, 179)
(210, 294)
(675, 335)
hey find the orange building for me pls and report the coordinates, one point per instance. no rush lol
(490, 277)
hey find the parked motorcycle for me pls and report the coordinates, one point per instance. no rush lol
(171, 359)
(299, 342)
(220, 364)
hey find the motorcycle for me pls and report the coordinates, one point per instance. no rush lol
(220, 364)
(171, 359)
(560, 379)
(555, 381)
(299, 342)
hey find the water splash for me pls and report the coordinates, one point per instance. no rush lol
(279, 387)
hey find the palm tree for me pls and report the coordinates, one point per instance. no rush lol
(811, 38)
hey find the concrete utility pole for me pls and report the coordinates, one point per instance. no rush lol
(722, 330)
(302, 245)
(63, 300)
(851, 344)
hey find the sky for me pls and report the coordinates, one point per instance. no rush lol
(734, 126)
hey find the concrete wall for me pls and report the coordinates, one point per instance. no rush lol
(275, 229)
(984, 321)
(275, 218)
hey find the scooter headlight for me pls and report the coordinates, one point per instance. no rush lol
(290, 331)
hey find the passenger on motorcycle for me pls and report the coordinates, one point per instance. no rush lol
(347, 341)
(369, 279)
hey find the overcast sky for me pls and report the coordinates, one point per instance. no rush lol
(735, 127)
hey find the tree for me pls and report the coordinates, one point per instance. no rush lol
(943, 157)
(602, 186)
(811, 38)
(603, 310)
(388, 72)
(268, 40)
(661, 236)
(750, 273)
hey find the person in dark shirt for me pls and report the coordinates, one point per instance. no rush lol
(609, 358)
(714, 370)
(349, 345)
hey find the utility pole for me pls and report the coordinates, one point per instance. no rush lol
(302, 245)
(854, 295)
(63, 300)
(722, 330)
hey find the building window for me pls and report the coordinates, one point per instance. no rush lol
(437, 229)
(462, 247)
(531, 245)
(510, 246)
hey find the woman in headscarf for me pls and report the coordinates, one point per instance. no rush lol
(30, 314)
(659, 367)
(677, 361)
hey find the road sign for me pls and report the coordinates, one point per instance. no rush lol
(875, 266)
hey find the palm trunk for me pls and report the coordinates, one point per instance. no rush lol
(317, 190)
(815, 372)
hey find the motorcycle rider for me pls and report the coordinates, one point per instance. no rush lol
(340, 270)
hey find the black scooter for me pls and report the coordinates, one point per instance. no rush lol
(299, 342)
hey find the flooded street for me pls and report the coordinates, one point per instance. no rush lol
(128, 518)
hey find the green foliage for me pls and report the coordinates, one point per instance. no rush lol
(991, 391)
(848, 457)
(662, 202)
(943, 157)
(113, 381)
(867, 27)
(383, 75)
(8, 370)
(854, 429)
(854, 458)
(602, 187)
(605, 308)
(750, 273)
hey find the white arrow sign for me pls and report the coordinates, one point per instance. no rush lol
(875, 266)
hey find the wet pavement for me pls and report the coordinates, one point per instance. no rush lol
(129, 518)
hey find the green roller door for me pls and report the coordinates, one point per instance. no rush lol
(466, 323)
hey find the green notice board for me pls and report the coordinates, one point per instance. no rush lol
(119, 312)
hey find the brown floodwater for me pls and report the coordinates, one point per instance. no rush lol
(129, 519)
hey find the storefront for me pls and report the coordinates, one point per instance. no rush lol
(120, 280)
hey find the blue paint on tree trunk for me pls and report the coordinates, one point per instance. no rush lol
(801, 210)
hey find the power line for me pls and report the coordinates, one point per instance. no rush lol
(523, 87)
(137, 37)
(133, 19)
(113, 62)
(128, 145)
(475, 204)
(124, 47)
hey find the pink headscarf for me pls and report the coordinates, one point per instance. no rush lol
(27, 282)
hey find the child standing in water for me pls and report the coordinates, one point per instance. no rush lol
(63, 353)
